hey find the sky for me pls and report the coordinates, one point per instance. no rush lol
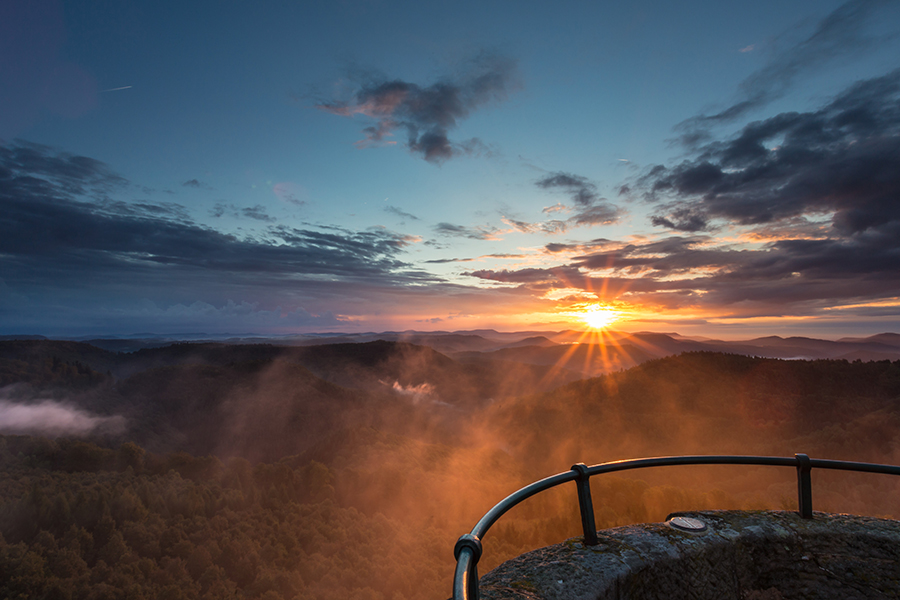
(724, 169)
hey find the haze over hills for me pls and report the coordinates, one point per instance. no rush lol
(292, 452)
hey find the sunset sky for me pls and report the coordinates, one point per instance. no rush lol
(727, 169)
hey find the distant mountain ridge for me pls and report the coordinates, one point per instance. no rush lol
(598, 353)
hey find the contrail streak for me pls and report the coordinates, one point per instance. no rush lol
(125, 87)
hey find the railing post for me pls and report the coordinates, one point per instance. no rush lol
(586, 505)
(470, 585)
(804, 486)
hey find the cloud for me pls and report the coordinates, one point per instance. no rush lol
(204, 316)
(257, 212)
(290, 193)
(400, 213)
(48, 417)
(193, 183)
(810, 201)
(33, 169)
(433, 320)
(472, 233)
(589, 246)
(790, 276)
(840, 161)
(682, 218)
(428, 114)
(589, 208)
(838, 35)
(582, 191)
(59, 230)
(442, 261)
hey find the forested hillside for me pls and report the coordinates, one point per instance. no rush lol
(263, 472)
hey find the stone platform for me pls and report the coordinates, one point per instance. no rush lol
(756, 555)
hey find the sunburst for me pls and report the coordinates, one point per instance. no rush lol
(599, 317)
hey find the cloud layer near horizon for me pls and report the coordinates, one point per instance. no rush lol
(805, 208)
(62, 234)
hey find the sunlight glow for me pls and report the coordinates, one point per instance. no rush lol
(599, 317)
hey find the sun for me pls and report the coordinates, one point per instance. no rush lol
(599, 317)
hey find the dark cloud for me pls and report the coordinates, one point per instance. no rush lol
(442, 261)
(582, 191)
(431, 320)
(192, 183)
(257, 212)
(682, 218)
(582, 247)
(472, 233)
(589, 208)
(782, 277)
(550, 226)
(28, 168)
(600, 214)
(58, 226)
(428, 114)
(812, 199)
(400, 213)
(166, 210)
(838, 35)
(842, 160)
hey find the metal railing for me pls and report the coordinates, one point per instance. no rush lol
(468, 549)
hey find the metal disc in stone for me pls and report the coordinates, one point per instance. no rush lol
(687, 524)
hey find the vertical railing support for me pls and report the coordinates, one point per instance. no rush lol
(467, 582)
(586, 505)
(804, 486)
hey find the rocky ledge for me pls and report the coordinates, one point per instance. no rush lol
(757, 555)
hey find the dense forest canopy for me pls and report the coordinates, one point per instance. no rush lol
(348, 470)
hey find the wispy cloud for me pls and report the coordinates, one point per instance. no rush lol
(472, 233)
(400, 213)
(290, 193)
(428, 114)
(442, 261)
(843, 32)
(257, 212)
(587, 208)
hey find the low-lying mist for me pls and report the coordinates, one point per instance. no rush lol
(53, 418)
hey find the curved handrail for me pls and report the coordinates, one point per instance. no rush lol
(468, 549)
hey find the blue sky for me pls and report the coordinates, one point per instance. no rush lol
(723, 169)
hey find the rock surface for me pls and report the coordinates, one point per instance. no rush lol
(759, 555)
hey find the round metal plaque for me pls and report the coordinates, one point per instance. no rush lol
(687, 524)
